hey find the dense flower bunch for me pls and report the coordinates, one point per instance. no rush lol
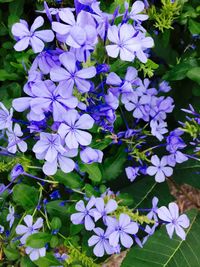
(73, 98)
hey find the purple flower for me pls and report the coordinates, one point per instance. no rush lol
(176, 157)
(174, 141)
(35, 253)
(123, 86)
(45, 98)
(70, 76)
(164, 87)
(11, 216)
(123, 42)
(5, 117)
(85, 214)
(132, 173)
(158, 129)
(174, 221)
(121, 230)
(136, 9)
(102, 210)
(135, 103)
(46, 60)
(90, 155)
(72, 128)
(100, 240)
(153, 212)
(17, 170)
(159, 168)
(48, 147)
(26, 37)
(29, 229)
(14, 141)
(63, 161)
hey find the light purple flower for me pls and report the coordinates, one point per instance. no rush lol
(5, 117)
(85, 214)
(158, 129)
(153, 212)
(123, 42)
(159, 169)
(121, 231)
(29, 229)
(11, 216)
(46, 60)
(72, 129)
(45, 98)
(70, 76)
(48, 147)
(31, 37)
(35, 253)
(135, 103)
(174, 221)
(164, 87)
(14, 141)
(136, 9)
(103, 209)
(90, 155)
(132, 173)
(100, 240)
(63, 161)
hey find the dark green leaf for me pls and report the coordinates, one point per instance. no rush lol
(4, 75)
(25, 196)
(161, 251)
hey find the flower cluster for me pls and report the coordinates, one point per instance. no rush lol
(121, 225)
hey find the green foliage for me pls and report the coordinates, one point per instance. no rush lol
(93, 171)
(47, 261)
(71, 180)
(165, 16)
(162, 252)
(26, 196)
(38, 240)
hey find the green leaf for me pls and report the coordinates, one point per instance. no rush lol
(16, 7)
(71, 180)
(179, 71)
(26, 262)
(25, 196)
(56, 210)
(47, 261)
(187, 172)
(56, 223)
(92, 170)
(194, 26)
(38, 240)
(161, 251)
(5, 76)
(113, 166)
(143, 191)
(194, 74)
(11, 253)
(54, 241)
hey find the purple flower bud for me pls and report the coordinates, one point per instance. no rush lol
(90, 155)
(16, 171)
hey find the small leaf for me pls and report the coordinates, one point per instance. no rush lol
(194, 74)
(38, 240)
(194, 26)
(4, 75)
(71, 180)
(25, 196)
(92, 170)
(11, 253)
(47, 261)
